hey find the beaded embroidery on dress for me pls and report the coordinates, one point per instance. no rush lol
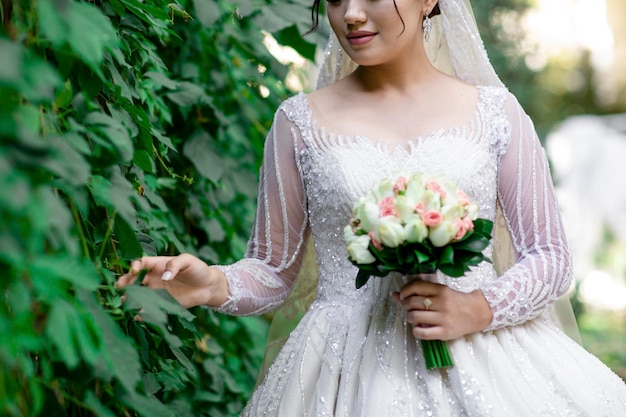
(352, 355)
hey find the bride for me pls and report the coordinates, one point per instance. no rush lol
(404, 90)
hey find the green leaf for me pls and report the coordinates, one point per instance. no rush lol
(111, 131)
(94, 404)
(161, 80)
(483, 227)
(129, 246)
(198, 149)
(59, 331)
(163, 139)
(421, 256)
(101, 190)
(144, 161)
(90, 34)
(361, 278)
(115, 194)
(473, 243)
(188, 94)
(67, 163)
(52, 25)
(452, 270)
(11, 56)
(146, 406)
(119, 357)
(150, 383)
(290, 36)
(79, 272)
(447, 256)
(150, 300)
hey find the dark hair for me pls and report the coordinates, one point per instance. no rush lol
(315, 13)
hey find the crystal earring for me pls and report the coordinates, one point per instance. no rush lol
(427, 25)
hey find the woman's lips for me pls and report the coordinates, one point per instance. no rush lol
(360, 37)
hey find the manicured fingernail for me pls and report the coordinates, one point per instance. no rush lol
(167, 275)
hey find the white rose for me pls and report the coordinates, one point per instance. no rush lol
(368, 212)
(358, 249)
(348, 234)
(431, 201)
(416, 230)
(472, 211)
(442, 234)
(452, 211)
(405, 208)
(383, 189)
(450, 189)
(390, 232)
(415, 187)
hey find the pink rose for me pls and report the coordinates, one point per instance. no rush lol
(469, 224)
(387, 207)
(434, 186)
(463, 198)
(374, 241)
(400, 185)
(461, 228)
(419, 208)
(431, 218)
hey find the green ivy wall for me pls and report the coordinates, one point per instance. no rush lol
(129, 127)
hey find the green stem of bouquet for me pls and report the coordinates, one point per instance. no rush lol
(436, 354)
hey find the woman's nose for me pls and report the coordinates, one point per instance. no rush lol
(355, 13)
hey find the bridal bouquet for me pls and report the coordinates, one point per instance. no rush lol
(412, 224)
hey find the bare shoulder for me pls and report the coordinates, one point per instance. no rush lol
(330, 95)
(454, 88)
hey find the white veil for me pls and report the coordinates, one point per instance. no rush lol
(456, 48)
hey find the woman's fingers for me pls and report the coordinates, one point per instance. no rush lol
(175, 265)
(148, 268)
(428, 332)
(424, 288)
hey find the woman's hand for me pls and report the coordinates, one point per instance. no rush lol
(188, 279)
(437, 312)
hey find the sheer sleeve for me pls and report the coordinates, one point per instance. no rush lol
(262, 280)
(542, 271)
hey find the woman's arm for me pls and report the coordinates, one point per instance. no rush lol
(263, 279)
(542, 271)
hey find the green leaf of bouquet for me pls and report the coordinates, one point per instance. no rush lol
(421, 256)
(447, 255)
(474, 243)
(453, 270)
(483, 227)
(361, 278)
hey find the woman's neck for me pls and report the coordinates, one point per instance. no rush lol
(402, 75)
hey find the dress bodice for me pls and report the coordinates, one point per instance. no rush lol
(338, 169)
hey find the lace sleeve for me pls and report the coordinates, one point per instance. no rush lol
(262, 280)
(542, 271)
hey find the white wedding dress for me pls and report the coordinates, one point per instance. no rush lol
(352, 355)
